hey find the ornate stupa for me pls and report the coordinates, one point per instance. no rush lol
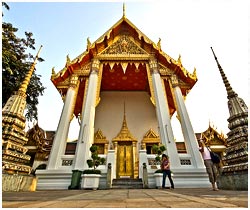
(235, 171)
(14, 158)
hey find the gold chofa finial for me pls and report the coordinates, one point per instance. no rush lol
(53, 71)
(88, 43)
(124, 10)
(159, 44)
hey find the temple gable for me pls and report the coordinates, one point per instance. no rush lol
(125, 46)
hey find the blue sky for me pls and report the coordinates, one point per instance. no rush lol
(188, 28)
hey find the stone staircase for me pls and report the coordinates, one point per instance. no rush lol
(127, 183)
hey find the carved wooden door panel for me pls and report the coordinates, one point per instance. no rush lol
(125, 160)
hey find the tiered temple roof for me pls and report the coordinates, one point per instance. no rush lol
(122, 49)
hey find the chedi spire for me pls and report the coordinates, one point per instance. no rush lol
(14, 158)
(230, 92)
(235, 169)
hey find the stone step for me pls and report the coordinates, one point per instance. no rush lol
(127, 183)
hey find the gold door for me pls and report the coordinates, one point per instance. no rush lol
(125, 160)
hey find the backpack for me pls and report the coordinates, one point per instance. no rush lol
(214, 157)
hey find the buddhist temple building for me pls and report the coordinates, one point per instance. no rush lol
(39, 146)
(212, 138)
(124, 90)
(215, 141)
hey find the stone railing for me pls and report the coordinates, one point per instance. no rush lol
(185, 159)
(67, 160)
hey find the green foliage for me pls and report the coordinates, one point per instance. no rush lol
(93, 148)
(158, 158)
(158, 150)
(162, 148)
(95, 160)
(16, 62)
(90, 163)
(5, 5)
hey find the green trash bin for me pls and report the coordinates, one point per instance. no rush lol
(75, 180)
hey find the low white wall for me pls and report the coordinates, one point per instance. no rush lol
(53, 179)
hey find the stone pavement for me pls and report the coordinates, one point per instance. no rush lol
(126, 198)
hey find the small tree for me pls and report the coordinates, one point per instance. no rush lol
(158, 150)
(94, 162)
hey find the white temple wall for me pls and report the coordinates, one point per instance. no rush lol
(139, 110)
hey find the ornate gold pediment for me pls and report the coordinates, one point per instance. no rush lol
(164, 71)
(151, 137)
(84, 70)
(63, 84)
(99, 138)
(212, 137)
(124, 46)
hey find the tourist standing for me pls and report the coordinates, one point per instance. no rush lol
(165, 167)
(210, 166)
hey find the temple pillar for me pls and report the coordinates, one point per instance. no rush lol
(135, 163)
(60, 140)
(187, 129)
(86, 133)
(162, 112)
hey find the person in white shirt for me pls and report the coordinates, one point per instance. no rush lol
(210, 166)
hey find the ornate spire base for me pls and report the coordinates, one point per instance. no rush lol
(14, 158)
(235, 172)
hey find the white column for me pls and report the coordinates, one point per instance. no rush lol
(162, 111)
(86, 133)
(187, 129)
(60, 140)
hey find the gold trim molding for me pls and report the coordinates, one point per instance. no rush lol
(98, 98)
(150, 82)
(124, 46)
(150, 137)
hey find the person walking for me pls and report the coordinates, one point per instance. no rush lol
(165, 167)
(210, 166)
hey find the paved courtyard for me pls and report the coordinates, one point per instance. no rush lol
(127, 198)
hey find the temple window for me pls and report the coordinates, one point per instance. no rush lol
(150, 139)
(101, 141)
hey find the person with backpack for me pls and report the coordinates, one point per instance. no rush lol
(210, 166)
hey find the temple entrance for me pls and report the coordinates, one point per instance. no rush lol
(125, 146)
(125, 160)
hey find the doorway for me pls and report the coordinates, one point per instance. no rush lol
(125, 160)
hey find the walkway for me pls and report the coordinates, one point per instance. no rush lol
(126, 198)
